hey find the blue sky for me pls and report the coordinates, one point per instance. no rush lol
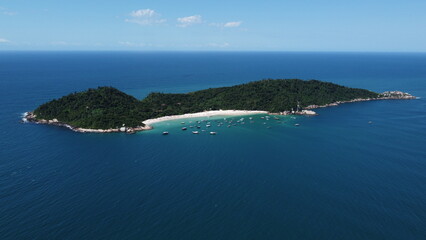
(233, 25)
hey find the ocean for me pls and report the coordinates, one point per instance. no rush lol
(336, 176)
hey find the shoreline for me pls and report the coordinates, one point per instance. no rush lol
(394, 95)
(204, 114)
(307, 111)
(30, 117)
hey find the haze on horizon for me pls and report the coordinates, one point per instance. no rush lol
(189, 25)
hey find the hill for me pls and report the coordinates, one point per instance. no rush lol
(107, 107)
(101, 108)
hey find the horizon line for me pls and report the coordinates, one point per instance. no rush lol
(211, 51)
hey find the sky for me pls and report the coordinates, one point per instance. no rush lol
(207, 25)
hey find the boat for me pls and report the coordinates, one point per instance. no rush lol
(198, 127)
(213, 133)
(182, 123)
(296, 124)
(165, 133)
(195, 132)
(184, 128)
(208, 125)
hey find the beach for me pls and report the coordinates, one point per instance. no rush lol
(204, 114)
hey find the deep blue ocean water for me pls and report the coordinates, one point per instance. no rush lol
(334, 177)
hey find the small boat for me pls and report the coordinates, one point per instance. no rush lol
(296, 124)
(213, 133)
(370, 122)
(184, 128)
(198, 127)
(195, 132)
(165, 133)
(208, 125)
(250, 118)
(182, 123)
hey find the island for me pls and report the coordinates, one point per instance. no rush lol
(106, 109)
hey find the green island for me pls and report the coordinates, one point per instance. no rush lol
(108, 108)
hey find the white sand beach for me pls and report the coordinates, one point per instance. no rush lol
(204, 114)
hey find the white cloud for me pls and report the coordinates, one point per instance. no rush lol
(3, 40)
(227, 24)
(145, 17)
(190, 20)
(219, 45)
(232, 24)
(5, 11)
(131, 44)
(143, 13)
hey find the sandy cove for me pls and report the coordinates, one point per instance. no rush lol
(30, 117)
(204, 114)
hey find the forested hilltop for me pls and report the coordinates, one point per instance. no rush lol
(107, 107)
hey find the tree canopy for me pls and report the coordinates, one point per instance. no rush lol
(107, 107)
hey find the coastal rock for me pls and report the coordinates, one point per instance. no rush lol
(396, 95)
(31, 117)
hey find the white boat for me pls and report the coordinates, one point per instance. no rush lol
(296, 124)
(195, 132)
(208, 125)
(165, 133)
(184, 128)
(213, 133)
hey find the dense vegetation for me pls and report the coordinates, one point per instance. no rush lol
(107, 107)
(100, 108)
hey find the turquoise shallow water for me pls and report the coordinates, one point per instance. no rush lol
(334, 177)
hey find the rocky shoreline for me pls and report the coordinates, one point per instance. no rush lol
(30, 117)
(389, 95)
